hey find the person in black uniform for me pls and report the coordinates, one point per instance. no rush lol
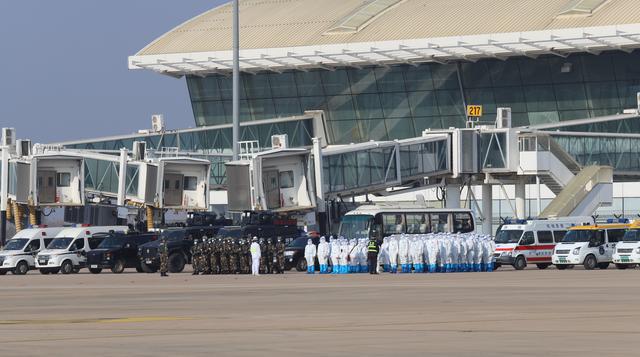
(372, 256)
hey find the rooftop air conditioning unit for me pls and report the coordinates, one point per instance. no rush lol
(139, 150)
(157, 123)
(503, 120)
(23, 147)
(280, 141)
(8, 137)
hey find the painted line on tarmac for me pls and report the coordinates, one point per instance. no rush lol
(95, 320)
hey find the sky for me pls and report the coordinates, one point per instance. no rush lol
(64, 67)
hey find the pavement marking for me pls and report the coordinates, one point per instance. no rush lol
(95, 320)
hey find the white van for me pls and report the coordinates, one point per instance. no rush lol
(67, 252)
(18, 255)
(591, 246)
(627, 254)
(523, 242)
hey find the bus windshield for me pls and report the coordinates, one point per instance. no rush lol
(505, 237)
(579, 236)
(632, 235)
(355, 226)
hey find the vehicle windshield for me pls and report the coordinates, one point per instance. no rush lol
(16, 244)
(505, 237)
(632, 235)
(111, 242)
(355, 226)
(229, 233)
(60, 243)
(173, 235)
(299, 242)
(579, 236)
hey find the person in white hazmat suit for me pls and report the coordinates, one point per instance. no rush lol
(256, 254)
(417, 254)
(470, 253)
(323, 255)
(344, 256)
(310, 253)
(403, 254)
(432, 252)
(383, 255)
(353, 256)
(393, 254)
(363, 266)
(477, 247)
(335, 256)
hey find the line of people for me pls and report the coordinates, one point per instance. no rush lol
(238, 256)
(428, 253)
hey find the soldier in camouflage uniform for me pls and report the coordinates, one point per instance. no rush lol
(235, 256)
(231, 269)
(195, 257)
(164, 257)
(206, 251)
(263, 257)
(214, 258)
(224, 257)
(270, 257)
(279, 252)
(245, 256)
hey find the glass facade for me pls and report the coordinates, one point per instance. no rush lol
(378, 103)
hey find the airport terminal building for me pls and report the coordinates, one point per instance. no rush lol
(389, 69)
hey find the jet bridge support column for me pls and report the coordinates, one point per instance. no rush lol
(453, 195)
(321, 207)
(487, 209)
(521, 199)
(4, 195)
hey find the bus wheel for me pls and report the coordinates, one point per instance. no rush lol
(542, 266)
(590, 262)
(520, 263)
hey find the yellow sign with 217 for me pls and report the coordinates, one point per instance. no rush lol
(474, 111)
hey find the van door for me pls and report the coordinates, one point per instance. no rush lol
(46, 184)
(173, 189)
(271, 186)
(613, 237)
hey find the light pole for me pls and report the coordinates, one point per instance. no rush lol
(236, 79)
(4, 192)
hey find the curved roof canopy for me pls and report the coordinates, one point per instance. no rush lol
(285, 34)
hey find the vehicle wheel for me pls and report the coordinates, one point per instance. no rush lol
(45, 271)
(603, 266)
(95, 270)
(118, 267)
(176, 263)
(301, 265)
(76, 270)
(561, 267)
(66, 267)
(139, 269)
(542, 266)
(520, 263)
(497, 266)
(590, 262)
(3, 272)
(622, 266)
(148, 268)
(21, 269)
(55, 271)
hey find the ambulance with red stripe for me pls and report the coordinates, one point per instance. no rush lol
(523, 242)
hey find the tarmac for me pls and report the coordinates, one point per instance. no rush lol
(505, 313)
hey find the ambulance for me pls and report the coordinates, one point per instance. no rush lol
(67, 252)
(591, 246)
(18, 255)
(523, 242)
(627, 254)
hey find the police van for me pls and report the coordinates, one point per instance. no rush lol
(67, 252)
(591, 245)
(627, 254)
(522, 242)
(18, 255)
